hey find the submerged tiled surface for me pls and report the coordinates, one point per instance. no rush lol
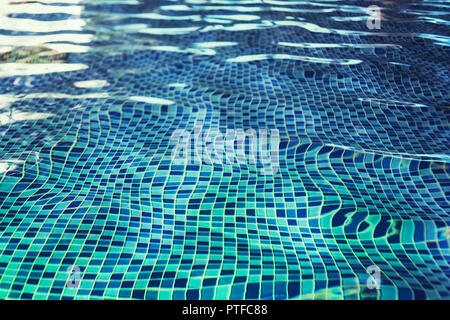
(87, 178)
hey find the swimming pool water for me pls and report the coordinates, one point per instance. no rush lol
(93, 205)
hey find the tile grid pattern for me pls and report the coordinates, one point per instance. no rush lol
(363, 174)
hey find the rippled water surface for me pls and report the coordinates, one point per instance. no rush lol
(91, 93)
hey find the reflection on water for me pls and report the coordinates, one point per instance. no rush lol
(91, 92)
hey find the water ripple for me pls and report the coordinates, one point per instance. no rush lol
(93, 91)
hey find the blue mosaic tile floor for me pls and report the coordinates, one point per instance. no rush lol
(92, 91)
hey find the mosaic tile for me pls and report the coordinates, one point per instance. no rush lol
(93, 205)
